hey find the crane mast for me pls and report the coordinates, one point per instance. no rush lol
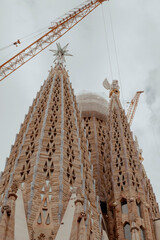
(57, 30)
(133, 107)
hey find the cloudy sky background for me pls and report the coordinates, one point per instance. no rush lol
(137, 36)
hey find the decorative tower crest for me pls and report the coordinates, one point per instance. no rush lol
(114, 87)
(60, 54)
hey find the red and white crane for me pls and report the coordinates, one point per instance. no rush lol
(58, 29)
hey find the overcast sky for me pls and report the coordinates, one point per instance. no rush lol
(137, 36)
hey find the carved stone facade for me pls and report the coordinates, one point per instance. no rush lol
(79, 168)
(127, 201)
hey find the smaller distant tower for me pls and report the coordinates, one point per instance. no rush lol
(129, 213)
(128, 204)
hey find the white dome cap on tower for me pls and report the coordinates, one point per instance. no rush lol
(92, 102)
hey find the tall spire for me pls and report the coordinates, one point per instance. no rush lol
(50, 158)
(127, 202)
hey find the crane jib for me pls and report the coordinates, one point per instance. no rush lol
(58, 29)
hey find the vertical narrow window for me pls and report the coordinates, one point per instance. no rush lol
(127, 232)
(142, 233)
(103, 207)
(44, 212)
(124, 206)
(104, 214)
(39, 221)
(139, 209)
(48, 220)
(45, 203)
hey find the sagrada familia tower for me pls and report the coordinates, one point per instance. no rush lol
(74, 171)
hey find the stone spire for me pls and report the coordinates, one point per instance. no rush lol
(127, 201)
(114, 87)
(50, 158)
(126, 197)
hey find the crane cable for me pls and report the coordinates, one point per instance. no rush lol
(116, 53)
(3, 48)
(27, 37)
(23, 40)
(107, 44)
(115, 49)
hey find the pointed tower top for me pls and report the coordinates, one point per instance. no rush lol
(60, 54)
(114, 87)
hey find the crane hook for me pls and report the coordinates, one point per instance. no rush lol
(16, 43)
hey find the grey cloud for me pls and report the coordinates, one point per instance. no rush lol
(152, 88)
(152, 93)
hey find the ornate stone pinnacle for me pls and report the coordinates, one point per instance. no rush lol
(7, 209)
(114, 87)
(14, 186)
(60, 54)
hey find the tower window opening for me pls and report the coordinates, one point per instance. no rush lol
(124, 206)
(127, 232)
(139, 209)
(142, 233)
(39, 221)
(103, 207)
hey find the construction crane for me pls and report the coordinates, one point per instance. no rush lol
(132, 107)
(58, 29)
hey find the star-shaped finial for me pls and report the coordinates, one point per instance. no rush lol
(60, 53)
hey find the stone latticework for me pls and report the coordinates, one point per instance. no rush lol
(77, 176)
(49, 158)
(127, 201)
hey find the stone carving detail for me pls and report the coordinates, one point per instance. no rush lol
(48, 167)
(13, 189)
(7, 209)
(152, 199)
(14, 186)
(30, 148)
(41, 237)
(32, 235)
(82, 215)
(71, 174)
(88, 129)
